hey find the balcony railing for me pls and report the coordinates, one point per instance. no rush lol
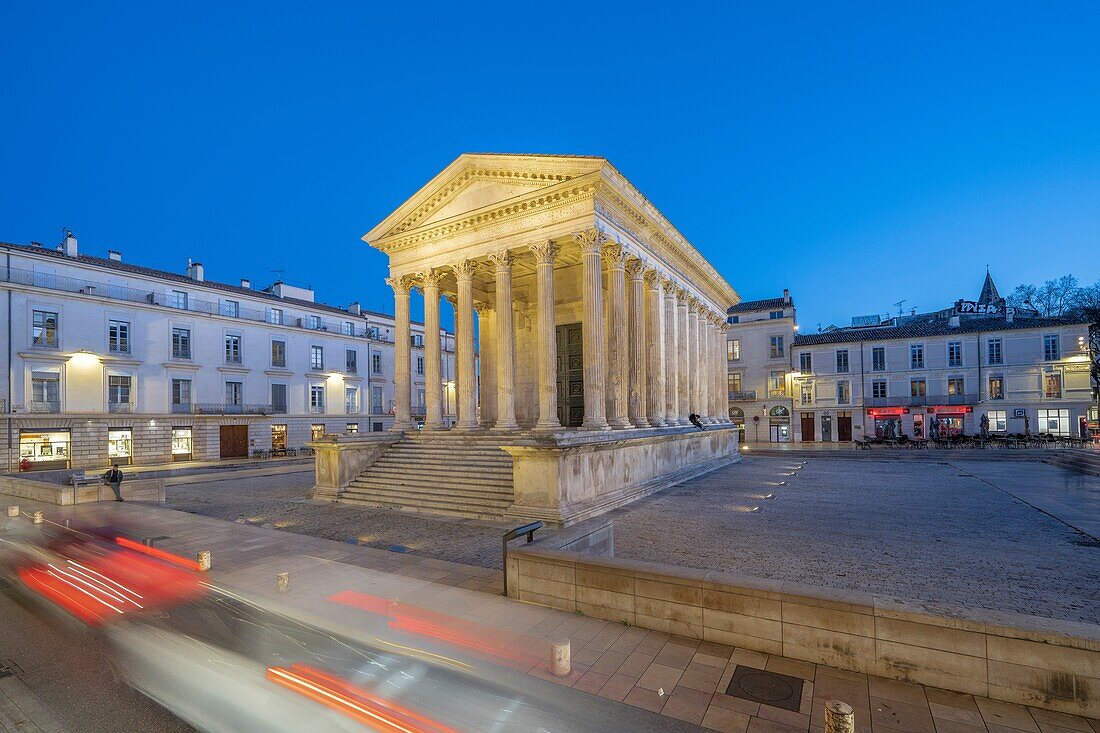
(120, 407)
(222, 408)
(182, 408)
(48, 406)
(317, 409)
(134, 295)
(743, 396)
(922, 400)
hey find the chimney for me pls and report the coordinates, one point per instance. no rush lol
(69, 245)
(786, 296)
(114, 255)
(194, 271)
(354, 308)
(953, 322)
(246, 283)
(1010, 313)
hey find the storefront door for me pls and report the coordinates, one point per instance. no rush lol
(781, 431)
(807, 427)
(234, 441)
(827, 428)
(844, 425)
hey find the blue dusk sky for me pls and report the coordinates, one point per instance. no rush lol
(858, 154)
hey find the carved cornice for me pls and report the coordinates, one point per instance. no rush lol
(502, 261)
(464, 270)
(614, 256)
(401, 285)
(545, 252)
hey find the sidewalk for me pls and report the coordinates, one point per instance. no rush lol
(681, 678)
(21, 710)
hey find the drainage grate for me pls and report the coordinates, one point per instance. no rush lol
(6, 671)
(766, 688)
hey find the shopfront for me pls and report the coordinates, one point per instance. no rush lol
(949, 421)
(737, 417)
(888, 421)
(42, 450)
(278, 438)
(779, 423)
(120, 446)
(182, 444)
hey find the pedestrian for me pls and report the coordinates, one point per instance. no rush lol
(694, 420)
(113, 478)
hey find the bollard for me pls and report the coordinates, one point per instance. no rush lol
(284, 582)
(37, 517)
(839, 717)
(13, 510)
(559, 657)
(204, 559)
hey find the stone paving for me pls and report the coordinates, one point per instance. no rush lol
(916, 531)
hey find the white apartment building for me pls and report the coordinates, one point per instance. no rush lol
(105, 361)
(894, 377)
(759, 334)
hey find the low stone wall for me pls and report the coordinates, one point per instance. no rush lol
(571, 477)
(339, 459)
(1022, 659)
(137, 489)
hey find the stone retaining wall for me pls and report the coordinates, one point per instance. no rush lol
(1022, 659)
(150, 489)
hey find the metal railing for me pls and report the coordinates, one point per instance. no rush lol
(922, 400)
(181, 408)
(47, 406)
(745, 395)
(120, 407)
(527, 529)
(223, 408)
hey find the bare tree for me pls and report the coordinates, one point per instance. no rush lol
(1052, 299)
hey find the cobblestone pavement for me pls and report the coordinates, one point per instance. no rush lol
(917, 531)
(279, 501)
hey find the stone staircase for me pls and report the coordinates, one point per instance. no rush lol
(455, 474)
(1083, 461)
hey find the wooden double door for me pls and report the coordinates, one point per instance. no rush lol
(844, 425)
(570, 382)
(233, 441)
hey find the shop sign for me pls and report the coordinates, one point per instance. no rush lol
(888, 411)
(1078, 367)
(950, 409)
(1019, 412)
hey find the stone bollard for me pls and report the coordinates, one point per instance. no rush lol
(13, 510)
(560, 657)
(839, 717)
(284, 582)
(37, 517)
(204, 560)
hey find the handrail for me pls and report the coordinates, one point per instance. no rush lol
(527, 529)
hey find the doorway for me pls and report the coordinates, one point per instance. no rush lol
(233, 441)
(844, 425)
(807, 427)
(826, 428)
(570, 382)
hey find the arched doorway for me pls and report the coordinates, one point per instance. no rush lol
(779, 424)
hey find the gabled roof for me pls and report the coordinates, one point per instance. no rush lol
(746, 306)
(930, 327)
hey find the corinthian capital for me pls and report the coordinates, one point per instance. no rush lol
(502, 261)
(636, 268)
(464, 270)
(653, 279)
(545, 252)
(401, 285)
(614, 256)
(590, 240)
(430, 278)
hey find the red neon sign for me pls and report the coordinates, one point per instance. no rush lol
(888, 411)
(951, 409)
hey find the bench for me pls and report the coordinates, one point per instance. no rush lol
(82, 479)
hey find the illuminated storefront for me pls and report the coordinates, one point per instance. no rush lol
(182, 444)
(278, 438)
(120, 446)
(42, 450)
(887, 421)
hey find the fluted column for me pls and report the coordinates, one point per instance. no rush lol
(721, 371)
(705, 361)
(506, 343)
(547, 357)
(636, 368)
(618, 339)
(433, 383)
(402, 353)
(465, 373)
(655, 349)
(682, 409)
(672, 357)
(694, 359)
(591, 242)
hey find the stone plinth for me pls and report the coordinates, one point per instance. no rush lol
(571, 476)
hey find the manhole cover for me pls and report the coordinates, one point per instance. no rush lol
(767, 688)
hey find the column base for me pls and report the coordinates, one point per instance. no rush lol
(603, 425)
(656, 422)
(549, 427)
(468, 428)
(505, 427)
(400, 427)
(620, 423)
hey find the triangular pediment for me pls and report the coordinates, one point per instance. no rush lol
(475, 181)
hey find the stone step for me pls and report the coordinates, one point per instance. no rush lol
(495, 456)
(438, 508)
(442, 470)
(434, 483)
(422, 496)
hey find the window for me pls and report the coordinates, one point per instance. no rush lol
(807, 394)
(996, 388)
(46, 390)
(1055, 422)
(376, 400)
(278, 398)
(417, 340)
(316, 398)
(775, 314)
(420, 365)
(843, 392)
(954, 353)
(732, 319)
(182, 440)
(351, 400)
(275, 315)
(376, 362)
(373, 332)
(1052, 385)
(181, 343)
(956, 386)
(181, 394)
(733, 350)
(842, 361)
(878, 389)
(118, 390)
(994, 350)
(998, 420)
(351, 428)
(232, 349)
(733, 382)
(775, 346)
(231, 308)
(278, 353)
(316, 432)
(118, 337)
(376, 427)
(916, 356)
(1051, 350)
(120, 445)
(918, 388)
(233, 392)
(351, 359)
(316, 357)
(878, 359)
(420, 401)
(348, 328)
(806, 362)
(44, 329)
(278, 437)
(777, 384)
(178, 299)
(315, 322)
